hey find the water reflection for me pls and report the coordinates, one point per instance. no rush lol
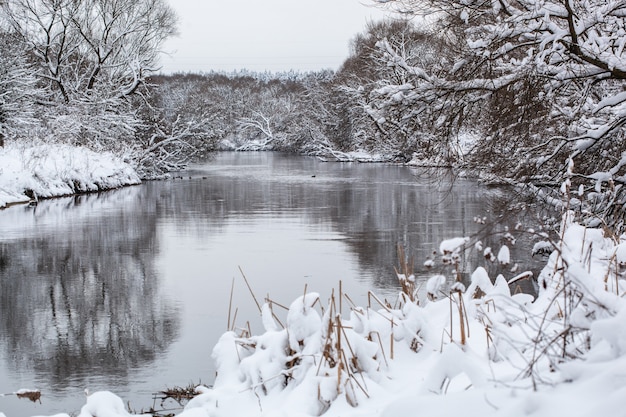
(79, 293)
(133, 285)
(372, 208)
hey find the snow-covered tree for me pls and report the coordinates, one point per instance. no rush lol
(542, 80)
(90, 57)
(388, 119)
(93, 47)
(90, 60)
(18, 89)
(177, 125)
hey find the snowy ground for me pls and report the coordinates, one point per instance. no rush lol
(438, 350)
(51, 170)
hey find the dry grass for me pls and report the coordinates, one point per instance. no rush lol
(33, 395)
(337, 356)
(405, 274)
(178, 394)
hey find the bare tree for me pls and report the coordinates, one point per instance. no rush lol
(393, 119)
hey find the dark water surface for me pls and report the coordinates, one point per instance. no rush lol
(128, 290)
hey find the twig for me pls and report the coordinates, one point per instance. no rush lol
(382, 349)
(372, 295)
(234, 318)
(271, 303)
(250, 289)
(230, 303)
(340, 297)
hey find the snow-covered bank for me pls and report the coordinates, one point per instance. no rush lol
(43, 170)
(441, 349)
(484, 350)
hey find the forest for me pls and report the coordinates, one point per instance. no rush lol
(524, 92)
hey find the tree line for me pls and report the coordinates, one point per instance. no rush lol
(524, 91)
(335, 115)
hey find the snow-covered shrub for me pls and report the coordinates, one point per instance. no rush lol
(317, 352)
(458, 336)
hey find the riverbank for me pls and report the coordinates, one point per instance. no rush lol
(41, 170)
(30, 171)
(484, 350)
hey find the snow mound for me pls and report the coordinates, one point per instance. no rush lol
(453, 245)
(39, 170)
(104, 404)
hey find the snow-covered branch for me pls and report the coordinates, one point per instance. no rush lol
(541, 80)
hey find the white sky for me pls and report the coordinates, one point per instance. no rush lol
(259, 35)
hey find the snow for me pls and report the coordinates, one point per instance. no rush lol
(504, 255)
(488, 254)
(303, 323)
(464, 16)
(620, 254)
(395, 361)
(453, 245)
(480, 279)
(52, 170)
(611, 101)
(24, 391)
(434, 285)
(542, 247)
(104, 404)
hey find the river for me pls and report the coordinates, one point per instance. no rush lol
(129, 290)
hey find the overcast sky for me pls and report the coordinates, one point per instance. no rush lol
(259, 35)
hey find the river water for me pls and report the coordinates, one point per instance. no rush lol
(129, 290)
